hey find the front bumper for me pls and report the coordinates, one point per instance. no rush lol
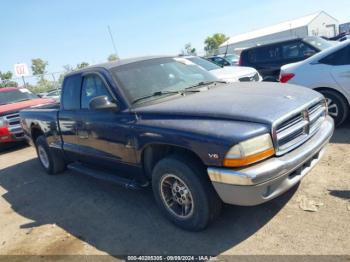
(268, 179)
(7, 136)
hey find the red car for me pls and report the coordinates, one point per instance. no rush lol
(12, 100)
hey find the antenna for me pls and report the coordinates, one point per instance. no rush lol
(112, 39)
(226, 49)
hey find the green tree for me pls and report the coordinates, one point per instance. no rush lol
(213, 42)
(82, 65)
(44, 85)
(189, 50)
(39, 66)
(6, 80)
(68, 68)
(112, 57)
(39, 69)
(6, 75)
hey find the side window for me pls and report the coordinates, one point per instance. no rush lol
(296, 50)
(220, 61)
(291, 50)
(341, 57)
(93, 86)
(71, 92)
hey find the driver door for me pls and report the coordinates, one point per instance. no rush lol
(103, 135)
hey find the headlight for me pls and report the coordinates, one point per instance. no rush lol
(2, 122)
(250, 151)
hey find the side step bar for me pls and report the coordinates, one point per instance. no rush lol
(124, 182)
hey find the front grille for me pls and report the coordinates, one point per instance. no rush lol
(298, 128)
(252, 78)
(14, 124)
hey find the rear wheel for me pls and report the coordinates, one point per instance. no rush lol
(52, 162)
(184, 193)
(338, 107)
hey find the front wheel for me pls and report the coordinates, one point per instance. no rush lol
(184, 193)
(338, 107)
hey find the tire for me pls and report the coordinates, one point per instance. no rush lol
(338, 108)
(52, 162)
(193, 185)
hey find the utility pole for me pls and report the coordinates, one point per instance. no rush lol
(112, 39)
(24, 82)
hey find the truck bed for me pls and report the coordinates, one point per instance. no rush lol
(45, 119)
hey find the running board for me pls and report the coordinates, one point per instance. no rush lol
(101, 175)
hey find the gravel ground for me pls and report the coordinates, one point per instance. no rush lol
(73, 214)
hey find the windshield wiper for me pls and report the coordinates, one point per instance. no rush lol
(204, 83)
(161, 93)
(158, 93)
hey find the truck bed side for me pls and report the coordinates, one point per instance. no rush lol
(42, 121)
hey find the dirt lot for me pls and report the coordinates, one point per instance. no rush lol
(73, 214)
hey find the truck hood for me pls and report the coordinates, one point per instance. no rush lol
(14, 107)
(258, 102)
(233, 73)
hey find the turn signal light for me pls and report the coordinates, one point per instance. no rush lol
(249, 159)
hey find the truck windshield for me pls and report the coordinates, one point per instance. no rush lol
(15, 95)
(165, 76)
(318, 42)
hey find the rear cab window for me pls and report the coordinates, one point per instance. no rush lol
(71, 92)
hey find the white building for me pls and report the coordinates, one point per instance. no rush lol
(318, 24)
(344, 28)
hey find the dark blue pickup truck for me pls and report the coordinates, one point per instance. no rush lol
(198, 141)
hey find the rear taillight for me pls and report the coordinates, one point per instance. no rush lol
(284, 78)
(240, 60)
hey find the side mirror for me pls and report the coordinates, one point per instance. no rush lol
(102, 103)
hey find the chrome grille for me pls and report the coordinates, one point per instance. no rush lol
(252, 78)
(295, 130)
(14, 124)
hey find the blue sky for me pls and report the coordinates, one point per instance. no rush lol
(68, 32)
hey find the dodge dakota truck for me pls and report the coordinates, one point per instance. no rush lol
(12, 100)
(197, 141)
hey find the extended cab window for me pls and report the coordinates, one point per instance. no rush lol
(340, 57)
(71, 92)
(93, 86)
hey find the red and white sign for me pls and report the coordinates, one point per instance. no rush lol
(21, 70)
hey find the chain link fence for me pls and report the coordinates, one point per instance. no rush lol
(39, 83)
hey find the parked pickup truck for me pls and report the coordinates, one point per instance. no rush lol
(199, 142)
(12, 100)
